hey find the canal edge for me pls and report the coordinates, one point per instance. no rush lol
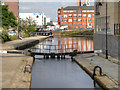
(102, 81)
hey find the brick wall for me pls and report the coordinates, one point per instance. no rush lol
(13, 6)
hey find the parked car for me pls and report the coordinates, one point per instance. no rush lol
(11, 33)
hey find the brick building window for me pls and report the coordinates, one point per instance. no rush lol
(93, 15)
(75, 20)
(79, 20)
(84, 24)
(79, 15)
(84, 11)
(58, 11)
(89, 20)
(65, 16)
(70, 24)
(65, 20)
(84, 15)
(65, 24)
(75, 24)
(74, 11)
(70, 20)
(70, 15)
(89, 24)
(84, 20)
(89, 15)
(80, 23)
(74, 15)
(79, 11)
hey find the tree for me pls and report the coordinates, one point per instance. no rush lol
(27, 25)
(8, 18)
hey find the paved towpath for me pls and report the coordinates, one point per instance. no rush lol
(110, 69)
(11, 45)
(12, 65)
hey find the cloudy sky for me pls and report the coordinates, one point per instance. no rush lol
(49, 7)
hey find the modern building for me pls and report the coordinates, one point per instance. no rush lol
(113, 28)
(13, 6)
(76, 17)
(39, 17)
(84, 3)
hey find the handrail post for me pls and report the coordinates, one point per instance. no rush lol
(25, 70)
(100, 72)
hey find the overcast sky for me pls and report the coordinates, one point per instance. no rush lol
(49, 7)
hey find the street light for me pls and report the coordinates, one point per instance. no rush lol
(106, 33)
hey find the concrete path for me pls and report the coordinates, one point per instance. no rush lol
(13, 71)
(11, 45)
(12, 65)
(109, 68)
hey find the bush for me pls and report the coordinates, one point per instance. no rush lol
(14, 37)
(4, 36)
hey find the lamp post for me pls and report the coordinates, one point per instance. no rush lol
(106, 33)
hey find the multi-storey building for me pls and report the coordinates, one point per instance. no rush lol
(13, 6)
(83, 2)
(78, 17)
(110, 39)
(40, 18)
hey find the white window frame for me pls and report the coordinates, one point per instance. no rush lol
(65, 16)
(70, 15)
(80, 15)
(89, 15)
(84, 15)
(74, 15)
(70, 20)
(79, 20)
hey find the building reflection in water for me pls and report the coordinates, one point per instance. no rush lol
(71, 44)
(62, 45)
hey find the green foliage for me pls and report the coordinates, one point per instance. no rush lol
(8, 18)
(27, 26)
(14, 37)
(4, 36)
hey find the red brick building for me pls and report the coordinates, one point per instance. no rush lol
(13, 7)
(76, 17)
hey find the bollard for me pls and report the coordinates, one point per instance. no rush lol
(44, 56)
(26, 69)
(52, 55)
(58, 56)
(72, 58)
(62, 56)
(47, 56)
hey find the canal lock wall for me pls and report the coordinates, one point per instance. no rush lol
(20, 79)
(103, 81)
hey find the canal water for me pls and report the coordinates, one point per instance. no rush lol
(61, 73)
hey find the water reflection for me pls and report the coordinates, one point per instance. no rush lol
(57, 73)
(63, 44)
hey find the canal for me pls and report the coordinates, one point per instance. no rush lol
(61, 73)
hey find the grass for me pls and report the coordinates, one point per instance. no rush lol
(78, 32)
